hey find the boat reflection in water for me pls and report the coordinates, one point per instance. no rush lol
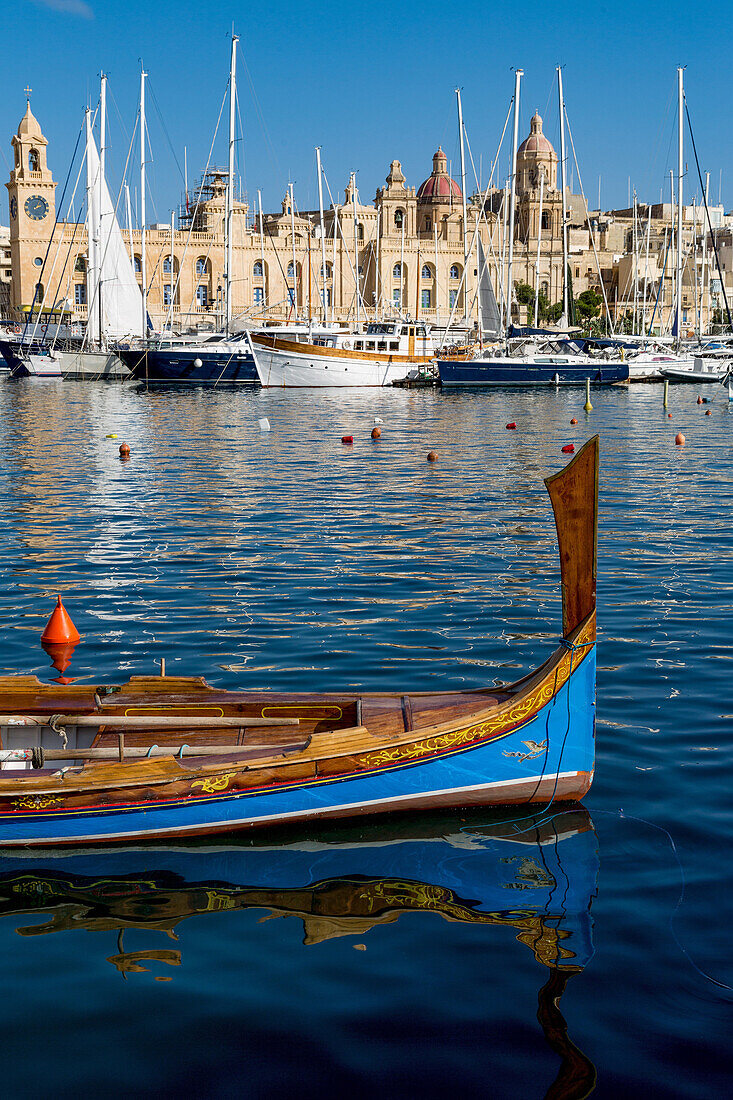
(534, 874)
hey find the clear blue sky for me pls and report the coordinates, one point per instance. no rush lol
(371, 84)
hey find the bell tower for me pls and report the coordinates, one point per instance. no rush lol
(32, 208)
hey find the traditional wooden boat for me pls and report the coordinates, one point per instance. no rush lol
(171, 756)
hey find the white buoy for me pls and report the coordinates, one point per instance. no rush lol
(264, 424)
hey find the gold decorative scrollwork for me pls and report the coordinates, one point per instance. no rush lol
(214, 783)
(35, 802)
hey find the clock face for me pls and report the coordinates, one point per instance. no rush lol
(13, 207)
(36, 207)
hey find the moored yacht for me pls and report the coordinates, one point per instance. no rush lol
(378, 356)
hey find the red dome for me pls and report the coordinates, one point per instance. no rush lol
(439, 185)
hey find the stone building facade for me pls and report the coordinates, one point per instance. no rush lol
(404, 251)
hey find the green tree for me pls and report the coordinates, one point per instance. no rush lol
(588, 305)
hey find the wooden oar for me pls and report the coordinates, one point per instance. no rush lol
(128, 753)
(144, 721)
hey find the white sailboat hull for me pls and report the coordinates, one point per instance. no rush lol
(295, 369)
(89, 365)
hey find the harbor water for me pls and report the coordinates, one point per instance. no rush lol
(509, 955)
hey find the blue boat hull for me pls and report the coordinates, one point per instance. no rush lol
(190, 365)
(549, 756)
(502, 372)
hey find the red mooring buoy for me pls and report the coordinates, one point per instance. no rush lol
(700, 401)
(573, 421)
(568, 449)
(432, 456)
(511, 427)
(59, 629)
(680, 439)
(376, 433)
(347, 439)
(708, 413)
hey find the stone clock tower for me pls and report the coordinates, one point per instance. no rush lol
(32, 209)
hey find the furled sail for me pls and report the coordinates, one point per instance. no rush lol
(490, 320)
(114, 299)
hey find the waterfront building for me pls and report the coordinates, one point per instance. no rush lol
(403, 253)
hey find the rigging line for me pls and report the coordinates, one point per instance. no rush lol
(174, 291)
(652, 825)
(164, 127)
(592, 235)
(476, 229)
(712, 235)
(343, 241)
(265, 132)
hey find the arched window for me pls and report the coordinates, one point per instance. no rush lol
(34, 161)
(427, 271)
(39, 293)
(545, 288)
(545, 219)
(396, 271)
(455, 271)
(326, 271)
(80, 264)
(167, 265)
(202, 266)
(428, 224)
(359, 231)
(399, 217)
(291, 270)
(138, 265)
(257, 269)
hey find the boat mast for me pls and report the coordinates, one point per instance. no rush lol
(143, 263)
(504, 216)
(323, 235)
(564, 200)
(100, 185)
(356, 251)
(262, 250)
(680, 167)
(537, 261)
(230, 179)
(173, 279)
(435, 234)
(129, 224)
(294, 300)
(518, 74)
(465, 213)
(636, 266)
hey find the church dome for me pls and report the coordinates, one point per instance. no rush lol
(439, 185)
(536, 142)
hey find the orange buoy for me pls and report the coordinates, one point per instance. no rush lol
(573, 421)
(432, 456)
(568, 449)
(347, 439)
(124, 450)
(59, 629)
(680, 439)
(707, 412)
(669, 416)
(511, 426)
(699, 401)
(376, 433)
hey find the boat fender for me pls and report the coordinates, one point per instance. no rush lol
(623, 356)
(197, 363)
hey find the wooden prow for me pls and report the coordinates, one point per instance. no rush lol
(574, 495)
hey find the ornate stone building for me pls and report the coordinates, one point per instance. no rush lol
(403, 253)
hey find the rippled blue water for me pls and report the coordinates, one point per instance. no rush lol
(286, 560)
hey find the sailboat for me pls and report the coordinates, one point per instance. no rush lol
(115, 301)
(555, 361)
